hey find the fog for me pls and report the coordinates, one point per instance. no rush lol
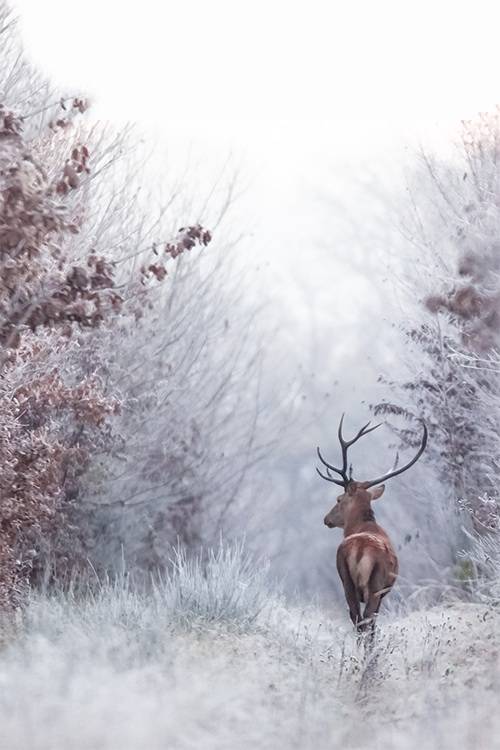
(223, 227)
(313, 115)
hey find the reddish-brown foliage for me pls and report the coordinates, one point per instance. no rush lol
(49, 421)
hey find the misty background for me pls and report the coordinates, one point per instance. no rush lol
(293, 137)
(221, 228)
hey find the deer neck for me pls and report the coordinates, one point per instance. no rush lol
(358, 519)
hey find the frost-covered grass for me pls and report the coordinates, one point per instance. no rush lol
(223, 586)
(211, 659)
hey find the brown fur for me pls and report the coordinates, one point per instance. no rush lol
(366, 560)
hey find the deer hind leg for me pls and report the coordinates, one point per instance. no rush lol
(350, 593)
(370, 614)
(373, 599)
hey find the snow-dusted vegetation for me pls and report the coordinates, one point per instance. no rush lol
(218, 660)
(160, 401)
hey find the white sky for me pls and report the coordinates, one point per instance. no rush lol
(302, 92)
(194, 60)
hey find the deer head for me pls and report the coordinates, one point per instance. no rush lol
(355, 501)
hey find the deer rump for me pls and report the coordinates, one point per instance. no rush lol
(370, 563)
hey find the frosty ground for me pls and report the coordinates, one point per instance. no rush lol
(210, 657)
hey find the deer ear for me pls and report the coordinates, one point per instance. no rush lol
(377, 492)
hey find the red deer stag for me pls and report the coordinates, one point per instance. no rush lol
(366, 561)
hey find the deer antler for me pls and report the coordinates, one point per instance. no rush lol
(345, 445)
(395, 472)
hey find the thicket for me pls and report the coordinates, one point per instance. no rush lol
(125, 424)
(449, 225)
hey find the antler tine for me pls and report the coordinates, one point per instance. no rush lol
(395, 472)
(330, 479)
(345, 445)
(341, 439)
(363, 431)
(329, 466)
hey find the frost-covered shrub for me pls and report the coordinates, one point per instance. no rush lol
(193, 432)
(449, 225)
(481, 561)
(222, 585)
